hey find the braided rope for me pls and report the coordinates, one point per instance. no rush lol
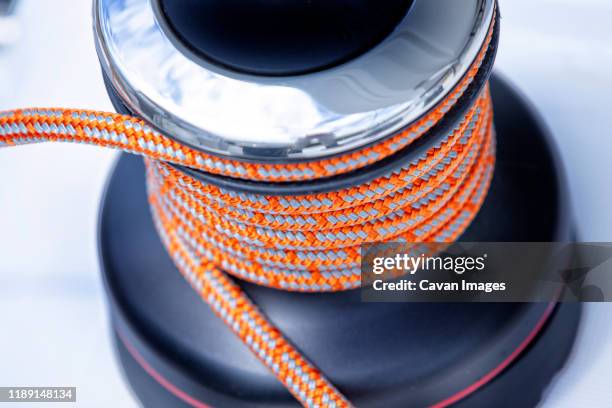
(249, 236)
(300, 243)
(307, 243)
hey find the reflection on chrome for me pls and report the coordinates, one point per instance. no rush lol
(299, 117)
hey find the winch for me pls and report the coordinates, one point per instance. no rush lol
(280, 136)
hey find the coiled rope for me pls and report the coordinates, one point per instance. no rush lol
(305, 243)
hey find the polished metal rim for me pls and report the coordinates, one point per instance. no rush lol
(295, 118)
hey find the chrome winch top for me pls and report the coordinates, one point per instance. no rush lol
(288, 118)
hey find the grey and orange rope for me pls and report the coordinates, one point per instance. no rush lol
(305, 243)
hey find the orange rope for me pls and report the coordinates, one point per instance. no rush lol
(299, 243)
